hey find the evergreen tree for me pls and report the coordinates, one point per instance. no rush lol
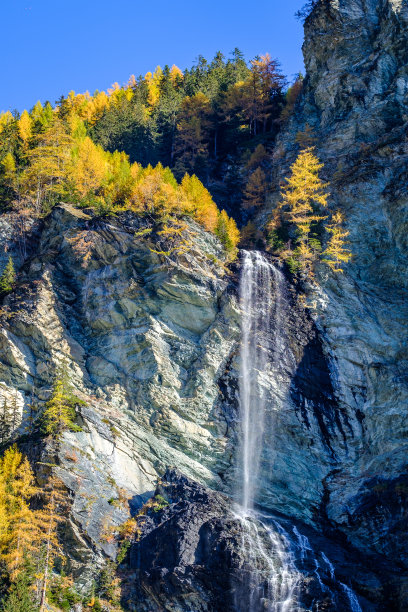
(20, 597)
(59, 413)
(5, 422)
(8, 277)
(15, 413)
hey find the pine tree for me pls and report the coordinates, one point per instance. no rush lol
(59, 413)
(336, 253)
(8, 277)
(20, 597)
(15, 413)
(5, 422)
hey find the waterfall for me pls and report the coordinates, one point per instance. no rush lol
(272, 586)
(260, 294)
(278, 560)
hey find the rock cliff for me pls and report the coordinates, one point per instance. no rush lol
(151, 346)
(145, 342)
(355, 98)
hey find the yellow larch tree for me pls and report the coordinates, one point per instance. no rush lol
(336, 253)
(199, 202)
(21, 535)
(36, 112)
(176, 75)
(301, 198)
(48, 167)
(25, 128)
(89, 167)
(228, 233)
(47, 519)
(153, 86)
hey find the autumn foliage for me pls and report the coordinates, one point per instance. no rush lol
(59, 161)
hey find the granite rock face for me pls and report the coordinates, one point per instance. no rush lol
(355, 98)
(145, 343)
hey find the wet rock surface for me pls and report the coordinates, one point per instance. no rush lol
(355, 99)
(190, 556)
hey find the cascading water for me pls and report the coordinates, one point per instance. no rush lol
(278, 559)
(257, 313)
(267, 548)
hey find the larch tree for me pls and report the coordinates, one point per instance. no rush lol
(228, 233)
(193, 130)
(21, 537)
(48, 518)
(302, 198)
(89, 167)
(255, 189)
(271, 81)
(25, 128)
(336, 253)
(199, 202)
(47, 172)
(306, 138)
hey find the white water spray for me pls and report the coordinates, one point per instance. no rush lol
(267, 547)
(273, 555)
(260, 296)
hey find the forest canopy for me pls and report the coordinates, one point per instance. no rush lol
(104, 149)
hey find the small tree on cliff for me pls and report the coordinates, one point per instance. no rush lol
(306, 10)
(59, 413)
(303, 196)
(336, 253)
(8, 277)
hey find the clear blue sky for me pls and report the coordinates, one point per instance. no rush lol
(49, 47)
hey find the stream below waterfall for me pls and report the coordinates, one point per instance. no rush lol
(281, 562)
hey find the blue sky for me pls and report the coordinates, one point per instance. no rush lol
(50, 47)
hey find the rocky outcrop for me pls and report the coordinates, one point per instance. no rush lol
(355, 99)
(189, 555)
(145, 340)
